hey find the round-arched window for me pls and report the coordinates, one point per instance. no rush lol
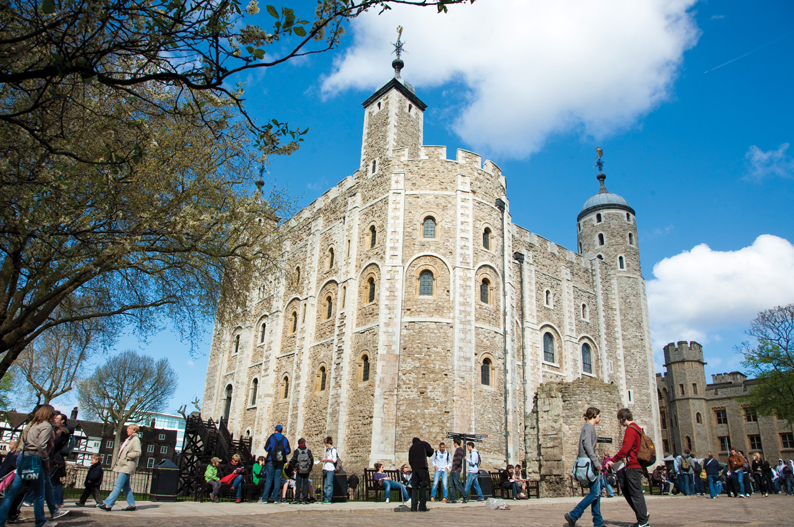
(484, 288)
(426, 283)
(587, 358)
(371, 283)
(548, 347)
(485, 372)
(429, 228)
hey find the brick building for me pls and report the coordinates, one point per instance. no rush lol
(710, 417)
(388, 316)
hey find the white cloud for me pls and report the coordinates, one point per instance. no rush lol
(771, 163)
(701, 291)
(529, 69)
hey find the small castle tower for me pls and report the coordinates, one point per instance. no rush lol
(393, 118)
(686, 396)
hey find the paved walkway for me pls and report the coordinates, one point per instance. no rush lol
(665, 511)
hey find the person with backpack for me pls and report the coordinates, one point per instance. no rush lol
(329, 469)
(277, 448)
(683, 468)
(697, 468)
(473, 461)
(631, 485)
(588, 439)
(713, 469)
(442, 462)
(302, 462)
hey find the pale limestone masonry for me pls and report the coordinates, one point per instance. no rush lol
(345, 337)
(712, 417)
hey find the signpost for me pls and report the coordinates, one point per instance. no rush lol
(464, 438)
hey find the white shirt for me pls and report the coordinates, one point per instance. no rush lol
(441, 461)
(330, 453)
(472, 459)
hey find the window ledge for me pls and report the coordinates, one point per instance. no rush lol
(251, 407)
(589, 374)
(552, 364)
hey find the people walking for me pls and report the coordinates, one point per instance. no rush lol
(302, 462)
(473, 470)
(454, 472)
(588, 439)
(277, 448)
(736, 471)
(93, 480)
(329, 469)
(125, 465)
(712, 468)
(442, 462)
(420, 478)
(631, 486)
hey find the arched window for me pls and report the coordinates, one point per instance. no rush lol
(254, 389)
(631, 239)
(285, 387)
(426, 283)
(344, 296)
(297, 275)
(429, 228)
(587, 358)
(585, 314)
(484, 286)
(486, 238)
(330, 259)
(262, 330)
(699, 418)
(547, 298)
(322, 378)
(600, 256)
(294, 321)
(364, 369)
(598, 218)
(236, 344)
(600, 239)
(329, 307)
(689, 443)
(621, 262)
(548, 347)
(227, 403)
(373, 236)
(485, 372)
(628, 217)
(371, 283)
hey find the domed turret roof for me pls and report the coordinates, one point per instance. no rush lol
(604, 200)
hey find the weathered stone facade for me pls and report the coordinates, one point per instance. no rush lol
(709, 417)
(386, 318)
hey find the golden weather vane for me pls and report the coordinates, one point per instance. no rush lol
(599, 162)
(398, 46)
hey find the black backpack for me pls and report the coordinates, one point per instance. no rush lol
(304, 461)
(278, 450)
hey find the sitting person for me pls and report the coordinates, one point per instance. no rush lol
(659, 478)
(287, 482)
(234, 475)
(405, 474)
(211, 477)
(387, 484)
(256, 474)
(510, 482)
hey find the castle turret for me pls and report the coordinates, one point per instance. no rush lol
(686, 391)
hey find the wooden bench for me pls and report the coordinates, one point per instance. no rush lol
(496, 486)
(250, 491)
(374, 487)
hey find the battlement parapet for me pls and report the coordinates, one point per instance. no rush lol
(734, 377)
(684, 351)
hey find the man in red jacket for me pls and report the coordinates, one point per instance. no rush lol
(632, 480)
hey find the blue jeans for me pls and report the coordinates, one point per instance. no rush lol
(789, 485)
(37, 487)
(444, 476)
(592, 500)
(272, 479)
(605, 484)
(698, 485)
(122, 483)
(328, 484)
(238, 484)
(471, 479)
(388, 485)
(715, 485)
(686, 483)
(739, 476)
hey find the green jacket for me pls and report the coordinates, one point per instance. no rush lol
(211, 474)
(258, 473)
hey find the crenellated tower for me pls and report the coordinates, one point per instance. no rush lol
(686, 396)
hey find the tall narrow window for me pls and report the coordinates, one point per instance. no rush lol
(329, 307)
(689, 442)
(373, 236)
(262, 330)
(285, 387)
(344, 297)
(694, 388)
(227, 403)
(585, 314)
(429, 228)
(236, 344)
(484, 286)
(486, 238)
(631, 239)
(699, 418)
(580, 247)
(598, 218)
(587, 359)
(371, 283)
(330, 258)
(485, 372)
(628, 217)
(600, 239)
(294, 321)
(374, 165)
(322, 378)
(548, 347)
(426, 283)
(254, 389)
(364, 369)
(297, 275)
(548, 298)
(621, 262)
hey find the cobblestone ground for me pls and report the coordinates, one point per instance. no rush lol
(664, 511)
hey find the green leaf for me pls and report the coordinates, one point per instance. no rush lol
(48, 7)
(249, 49)
(259, 53)
(272, 11)
(299, 31)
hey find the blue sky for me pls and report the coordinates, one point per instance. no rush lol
(691, 102)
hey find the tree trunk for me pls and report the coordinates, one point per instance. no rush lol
(117, 442)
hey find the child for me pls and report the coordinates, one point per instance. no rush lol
(258, 476)
(211, 477)
(301, 463)
(93, 480)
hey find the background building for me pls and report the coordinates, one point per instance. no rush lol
(711, 417)
(408, 304)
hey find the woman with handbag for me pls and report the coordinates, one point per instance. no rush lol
(588, 439)
(33, 465)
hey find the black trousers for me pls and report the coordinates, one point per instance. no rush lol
(455, 486)
(91, 490)
(420, 481)
(631, 486)
(301, 488)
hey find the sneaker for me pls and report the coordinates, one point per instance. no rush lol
(238, 500)
(638, 524)
(387, 500)
(432, 499)
(571, 521)
(78, 504)
(59, 513)
(444, 500)
(480, 499)
(407, 502)
(103, 507)
(50, 524)
(742, 496)
(326, 502)
(131, 508)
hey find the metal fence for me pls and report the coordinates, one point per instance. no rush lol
(140, 482)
